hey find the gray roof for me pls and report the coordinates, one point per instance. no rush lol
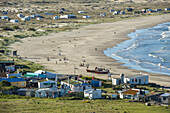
(137, 75)
(165, 95)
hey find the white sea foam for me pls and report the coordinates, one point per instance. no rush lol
(146, 49)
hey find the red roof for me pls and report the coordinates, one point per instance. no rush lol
(131, 92)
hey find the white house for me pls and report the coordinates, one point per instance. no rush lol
(38, 18)
(93, 93)
(76, 86)
(56, 17)
(167, 9)
(132, 94)
(165, 98)
(47, 92)
(137, 79)
(67, 16)
(118, 80)
(20, 15)
(86, 16)
(14, 21)
(48, 74)
(26, 18)
(4, 17)
(112, 10)
(122, 12)
(116, 12)
(47, 83)
(81, 12)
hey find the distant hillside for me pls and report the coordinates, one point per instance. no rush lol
(141, 1)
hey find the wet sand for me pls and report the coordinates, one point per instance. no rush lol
(63, 51)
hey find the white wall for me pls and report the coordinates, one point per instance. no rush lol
(41, 84)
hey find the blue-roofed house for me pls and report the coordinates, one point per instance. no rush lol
(96, 83)
(19, 82)
(4, 17)
(76, 85)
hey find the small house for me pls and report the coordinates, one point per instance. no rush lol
(32, 16)
(46, 74)
(38, 18)
(20, 15)
(19, 82)
(137, 79)
(56, 17)
(14, 74)
(122, 12)
(47, 93)
(165, 98)
(26, 18)
(67, 16)
(75, 85)
(4, 13)
(102, 14)
(116, 12)
(81, 12)
(5, 63)
(48, 13)
(35, 75)
(167, 9)
(134, 94)
(4, 17)
(129, 9)
(26, 92)
(46, 83)
(14, 21)
(143, 11)
(93, 93)
(149, 10)
(112, 10)
(96, 83)
(118, 80)
(86, 16)
(10, 68)
(156, 10)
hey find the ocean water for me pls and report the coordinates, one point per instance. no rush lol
(147, 50)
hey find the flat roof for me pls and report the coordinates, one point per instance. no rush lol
(137, 75)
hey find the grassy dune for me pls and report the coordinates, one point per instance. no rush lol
(61, 105)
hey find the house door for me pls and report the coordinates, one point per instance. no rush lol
(84, 88)
(139, 81)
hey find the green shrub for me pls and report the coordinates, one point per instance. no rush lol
(31, 29)
(7, 28)
(15, 27)
(5, 83)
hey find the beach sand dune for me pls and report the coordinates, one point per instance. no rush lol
(63, 51)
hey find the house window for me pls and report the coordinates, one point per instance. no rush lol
(164, 98)
(132, 80)
(23, 84)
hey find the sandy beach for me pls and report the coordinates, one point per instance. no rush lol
(63, 51)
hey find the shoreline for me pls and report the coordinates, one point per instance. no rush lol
(82, 43)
